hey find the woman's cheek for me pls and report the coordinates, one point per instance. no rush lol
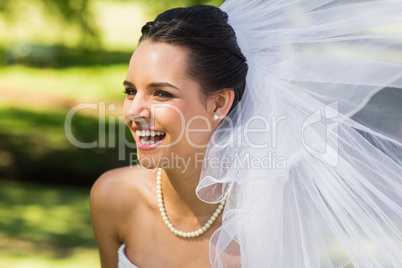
(170, 119)
(198, 131)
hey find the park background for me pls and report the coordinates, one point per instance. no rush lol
(55, 55)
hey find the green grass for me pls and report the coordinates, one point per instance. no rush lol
(45, 226)
(34, 146)
(40, 225)
(93, 83)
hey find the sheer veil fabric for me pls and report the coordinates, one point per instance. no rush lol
(313, 160)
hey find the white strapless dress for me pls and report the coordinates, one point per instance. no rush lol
(124, 262)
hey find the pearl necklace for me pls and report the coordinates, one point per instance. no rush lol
(170, 225)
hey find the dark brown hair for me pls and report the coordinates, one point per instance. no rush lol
(215, 60)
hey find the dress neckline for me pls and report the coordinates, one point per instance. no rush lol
(124, 262)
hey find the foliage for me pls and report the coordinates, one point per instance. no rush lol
(33, 108)
(62, 88)
(78, 14)
(71, 13)
(159, 6)
(61, 56)
(45, 226)
(34, 145)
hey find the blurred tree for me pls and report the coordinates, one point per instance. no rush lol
(77, 14)
(73, 13)
(158, 6)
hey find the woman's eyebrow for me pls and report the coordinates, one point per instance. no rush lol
(127, 83)
(162, 84)
(152, 85)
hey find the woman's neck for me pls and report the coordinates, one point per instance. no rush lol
(178, 186)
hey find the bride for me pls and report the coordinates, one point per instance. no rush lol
(216, 97)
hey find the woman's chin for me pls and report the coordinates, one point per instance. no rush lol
(147, 162)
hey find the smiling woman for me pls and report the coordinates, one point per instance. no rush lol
(171, 99)
(208, 190)
(180, 85)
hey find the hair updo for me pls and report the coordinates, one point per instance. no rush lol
(215, 59)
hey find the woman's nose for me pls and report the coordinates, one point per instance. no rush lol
(138, 107)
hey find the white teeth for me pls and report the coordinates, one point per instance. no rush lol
(147, 133)
(148, 142)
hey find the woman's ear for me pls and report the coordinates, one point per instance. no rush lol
(221, 104)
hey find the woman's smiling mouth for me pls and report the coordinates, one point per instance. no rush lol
(150, 137)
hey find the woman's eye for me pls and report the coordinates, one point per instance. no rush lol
(163, 94)
(130, 91)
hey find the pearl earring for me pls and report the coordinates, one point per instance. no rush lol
(216, 117)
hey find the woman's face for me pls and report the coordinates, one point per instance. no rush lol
(169, 118)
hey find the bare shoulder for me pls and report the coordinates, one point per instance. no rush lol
(115, 197)
(118, 187)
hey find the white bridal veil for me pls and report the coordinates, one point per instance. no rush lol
(313, 154)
